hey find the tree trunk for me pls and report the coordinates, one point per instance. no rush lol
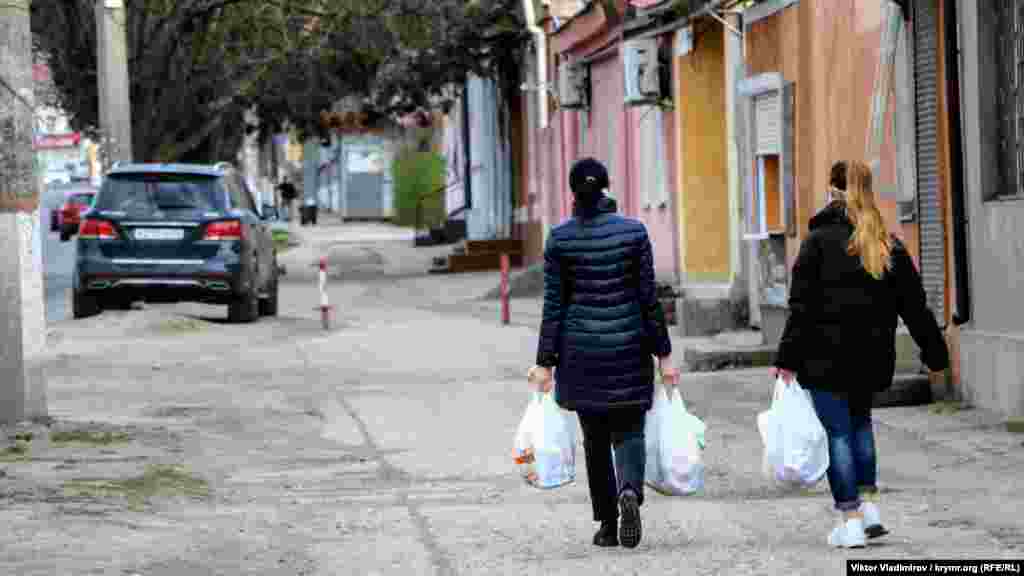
(18, 184)
(22, 307)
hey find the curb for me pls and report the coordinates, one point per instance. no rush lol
(698, 360)
(906, 390)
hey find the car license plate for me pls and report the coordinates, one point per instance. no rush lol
(159, 234)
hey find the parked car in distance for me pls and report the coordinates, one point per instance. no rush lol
(76, 203)
(176, 233)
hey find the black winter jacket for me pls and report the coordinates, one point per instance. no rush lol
(602, 320)
(841, 331)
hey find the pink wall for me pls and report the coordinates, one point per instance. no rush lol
(606, 136)
(619, 139)
(549, 164)
(566, 155)
(560, 146)
(660, 220)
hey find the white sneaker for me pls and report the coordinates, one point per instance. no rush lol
(872, 520)
(849, 534)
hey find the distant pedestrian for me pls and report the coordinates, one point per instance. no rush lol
(850, 282)
(288, 195)
(602, 327)
(310, 210)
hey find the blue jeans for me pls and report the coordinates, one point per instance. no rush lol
(621, 430)
(852, 468)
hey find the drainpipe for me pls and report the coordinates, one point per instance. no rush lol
(468, 174)
(960, 221)
(540, 40)
(628, 196)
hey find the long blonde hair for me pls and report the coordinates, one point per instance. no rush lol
(870, 238)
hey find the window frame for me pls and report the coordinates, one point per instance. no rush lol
(1002, 185)
(654, 192)
(751, 89)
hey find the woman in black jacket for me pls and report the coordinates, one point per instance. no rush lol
(850, 282)
(601, 328)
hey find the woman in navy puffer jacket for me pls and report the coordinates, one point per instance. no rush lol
(602, 328)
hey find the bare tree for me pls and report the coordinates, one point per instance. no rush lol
(196, 66)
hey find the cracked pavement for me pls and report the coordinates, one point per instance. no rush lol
(384, 447)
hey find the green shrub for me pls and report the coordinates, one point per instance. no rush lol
(416, 173)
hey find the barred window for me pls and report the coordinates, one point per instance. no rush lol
(1009, 52)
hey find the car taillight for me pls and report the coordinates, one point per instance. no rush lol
(98, 229)
(226, 230)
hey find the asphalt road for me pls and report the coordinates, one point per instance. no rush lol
(58, 261)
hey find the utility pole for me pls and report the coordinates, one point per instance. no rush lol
(22, 306)
(114, 87)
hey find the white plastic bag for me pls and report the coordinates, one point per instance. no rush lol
(795, 442)
(545, 444)
(674, 440)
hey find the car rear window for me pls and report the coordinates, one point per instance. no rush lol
(85, 198)
(147, 194)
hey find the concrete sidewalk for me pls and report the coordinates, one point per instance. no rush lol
(529, 312)
(384, 445)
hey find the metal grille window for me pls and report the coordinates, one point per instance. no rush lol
(1009, 16)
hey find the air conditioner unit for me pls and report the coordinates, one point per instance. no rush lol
(641, 71)
(572, 85)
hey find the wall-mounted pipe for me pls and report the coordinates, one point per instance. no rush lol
(466, 137)
(960, 220)
(540, 40)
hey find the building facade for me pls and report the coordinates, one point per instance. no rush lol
(597, 118)
(988, 203)
(478, 144)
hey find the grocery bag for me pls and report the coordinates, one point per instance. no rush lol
(545, 443)
(795, 442)
(674, 441)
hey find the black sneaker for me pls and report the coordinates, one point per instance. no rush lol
(606, 536)
(629, 527)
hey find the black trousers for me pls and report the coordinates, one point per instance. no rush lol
(621, 430)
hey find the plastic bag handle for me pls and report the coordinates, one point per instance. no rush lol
(668, 392)
(668, 396)
(780, 389)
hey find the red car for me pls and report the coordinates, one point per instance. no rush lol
(76, 202)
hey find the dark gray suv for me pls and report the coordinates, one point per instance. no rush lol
(176, 233)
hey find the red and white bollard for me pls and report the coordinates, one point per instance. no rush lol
(505, 313)
(325, 308)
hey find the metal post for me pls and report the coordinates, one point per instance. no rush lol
(505, 313)
(22, 306)
(325, 307)
(114, 86)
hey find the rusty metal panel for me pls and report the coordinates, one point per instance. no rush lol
(929, 193)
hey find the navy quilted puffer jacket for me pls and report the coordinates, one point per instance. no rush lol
(602, 321)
